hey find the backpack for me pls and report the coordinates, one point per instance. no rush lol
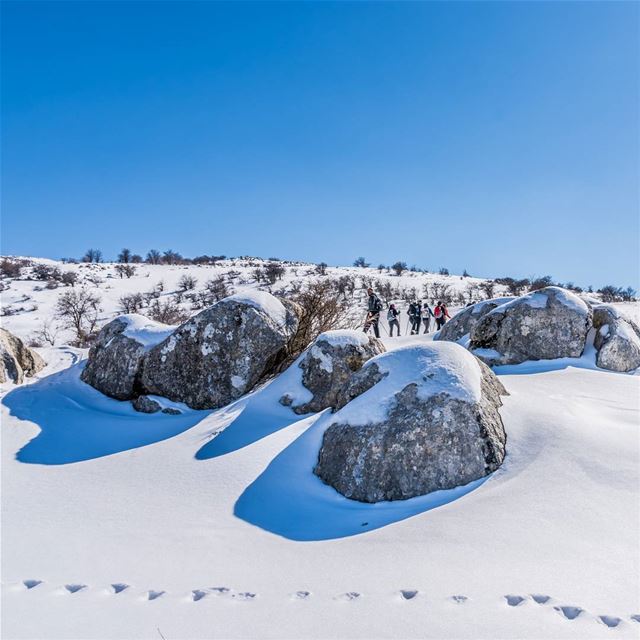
(438, 312)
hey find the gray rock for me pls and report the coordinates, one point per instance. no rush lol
(466, 319)
(223, 352)
(18, 360)
(617, 340)
(145, 404)
(328, 364)
(543, 325)
(172, 411)
(426, 419)
(115, 360)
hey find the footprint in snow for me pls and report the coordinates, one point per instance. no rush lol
(636, 617)
(198, 594)
(30, 584)
(514, 601)
(570, 613)
(245, 595)
(408, 594)
(220, 591)
(301, 595)
(349, 596)
(119, 587)
(74, 588)
(459, 599)
(540, 598)
(154, 595)
(610, 621)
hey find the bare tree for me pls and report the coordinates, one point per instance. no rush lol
(136, 258)
(124, 256)
(488, 288)
(398, 267)
(321, 268)
(125, 270)
(187, 282)
(323, 308)
(46, 334)
(167, 312)
(154, 257)
(79, 309)
(360, 262)
(131, 302)
(92, 255)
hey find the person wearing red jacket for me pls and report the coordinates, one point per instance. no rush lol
(442, 314)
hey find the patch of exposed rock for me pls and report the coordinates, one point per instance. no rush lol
(413, 421)
(18, 360)
(328, 364)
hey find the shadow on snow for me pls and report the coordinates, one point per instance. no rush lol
(289, 500)
(79, 423)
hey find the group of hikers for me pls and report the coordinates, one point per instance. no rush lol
(419, 314)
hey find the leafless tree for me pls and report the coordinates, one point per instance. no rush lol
(79, 309)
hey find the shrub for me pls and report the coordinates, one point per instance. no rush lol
(79, 309)
(131, 302)
(360, 262)
(167, 312)
(125, 270)
(187, 282)
(399, 267)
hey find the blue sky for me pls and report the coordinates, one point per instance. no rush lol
(498, 137)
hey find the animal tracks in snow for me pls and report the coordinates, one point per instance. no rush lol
(568, 612)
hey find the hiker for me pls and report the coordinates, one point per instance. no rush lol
(374, 307)
(415, 310)
(392, 319)
(441, 314)
(427, 314)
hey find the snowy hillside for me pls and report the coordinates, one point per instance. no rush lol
(211, 524)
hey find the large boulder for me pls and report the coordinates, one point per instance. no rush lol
(328, 364)
(617, 340)
(466, 319)
(223, 352)
(18, 360)
(542, 325)
(115, 360)
(417, 419)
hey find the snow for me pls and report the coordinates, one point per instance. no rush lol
(264, 302)
(344, 337)
(146, 332)
(538, 300)
(211, 524)
(434, 367)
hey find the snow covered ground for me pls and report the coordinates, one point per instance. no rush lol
(117, 524)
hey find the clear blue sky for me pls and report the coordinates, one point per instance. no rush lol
(498, 137)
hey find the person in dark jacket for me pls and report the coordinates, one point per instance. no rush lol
(392, 319)
(427, 314)
(415, 312)
(374, 307)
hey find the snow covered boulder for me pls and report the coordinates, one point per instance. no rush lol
(542, 325)
(115, 360)
(418, 419)
(328, 364)
(223, 352)
(18, 360)
(617, 340)
(466, 319)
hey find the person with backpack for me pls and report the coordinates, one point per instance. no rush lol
(427, 314)
(392, 319)
(441, 314)
(374, 307)
(415, 311)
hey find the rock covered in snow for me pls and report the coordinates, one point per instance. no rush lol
(418, 419)
(115, 360)
(328, 364)
(542, 325)
(466, 319)
(223, 352)
(617, 340)
(18, 360)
